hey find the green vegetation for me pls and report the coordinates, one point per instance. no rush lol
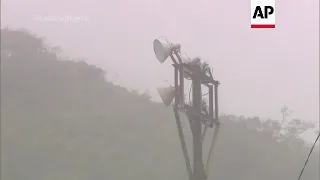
(61, 120)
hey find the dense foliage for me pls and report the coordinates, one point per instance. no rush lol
(61, 120)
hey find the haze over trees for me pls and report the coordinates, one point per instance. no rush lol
(60, 119)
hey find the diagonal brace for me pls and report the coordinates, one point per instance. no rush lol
(183, 142)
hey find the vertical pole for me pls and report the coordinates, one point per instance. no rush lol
(198, 167)
(216, 101)
(181, 92)
(211, 101)
(176, 86)
(181, 89)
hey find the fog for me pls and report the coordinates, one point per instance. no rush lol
(274, 66)
(60, 119)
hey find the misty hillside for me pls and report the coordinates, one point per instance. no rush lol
(61, 120)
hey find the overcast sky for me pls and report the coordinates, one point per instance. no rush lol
(259, 69)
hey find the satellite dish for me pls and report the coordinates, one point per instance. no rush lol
(196, 61)
(167, 94)
(187, 60)
(163, 49)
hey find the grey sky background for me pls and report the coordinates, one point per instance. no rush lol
(259, 69)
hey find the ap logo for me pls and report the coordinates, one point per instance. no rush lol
(263, 14)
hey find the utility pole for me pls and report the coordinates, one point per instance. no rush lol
(198, 167)
(200, 74)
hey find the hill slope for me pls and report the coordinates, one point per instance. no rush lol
(62, 120)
